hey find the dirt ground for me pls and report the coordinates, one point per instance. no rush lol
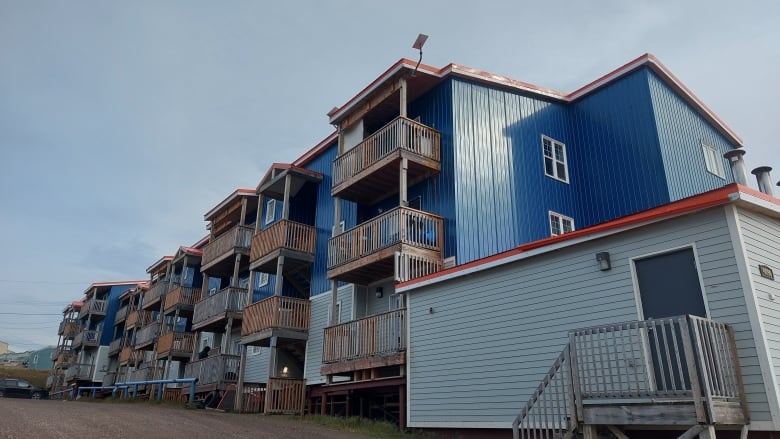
(23, 418)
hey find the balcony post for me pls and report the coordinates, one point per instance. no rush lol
(238, 403)
(286, 202)
(243, 211)
(279, 276)
(236, 266)
(402, 181)
(402, 87)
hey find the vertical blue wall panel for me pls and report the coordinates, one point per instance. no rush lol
(681, 132)
(615, 157)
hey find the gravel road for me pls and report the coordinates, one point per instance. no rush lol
(23, 418)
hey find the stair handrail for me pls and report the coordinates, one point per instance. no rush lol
(560, 408)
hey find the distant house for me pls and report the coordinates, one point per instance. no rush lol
(3, 347)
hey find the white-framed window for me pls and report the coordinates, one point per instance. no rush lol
(270, 211)
(263, 279)
(712, 160)
(555, 165)
(560, 224)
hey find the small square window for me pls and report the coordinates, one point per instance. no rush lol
(712, 160)
(263, 279)
(555, 164)
(270, 211)
(560, 224)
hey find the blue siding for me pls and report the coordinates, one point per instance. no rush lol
(323, 218)
(615, 157)
(112, 306)
(681, 131)
(502, 194)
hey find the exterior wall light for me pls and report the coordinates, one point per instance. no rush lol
(380, 292)
(603, 259)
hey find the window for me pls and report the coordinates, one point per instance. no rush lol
(263, 279)
(270, 211)
(337, 320)
(560, 224)
(555, 159)
(712, 160)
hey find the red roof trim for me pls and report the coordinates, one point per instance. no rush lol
(159, 262)
(235, 194)
(191, 250)
(709, 199)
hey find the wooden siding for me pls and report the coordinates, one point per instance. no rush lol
(480, 345)
(319, 321)
(681, 131)
(761, 241)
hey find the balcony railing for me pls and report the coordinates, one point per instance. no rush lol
(216, 369)
(285, 396)
(140, 374)
(677, 370)
(79, 372)
(181, 343)
(128, 354)
(64, 359)
(401, 136)
(147, 334)
(121, 314)
(152, 296)
(283, 235)
(109, 379)
(276, 312)
(69, 328)
(93, 306)
(230, 299)
(182, 297)
(239, 237)
(87, 338)
(115, 346)
(396, 230)
(378, 335)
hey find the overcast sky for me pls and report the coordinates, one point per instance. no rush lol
(122, 123)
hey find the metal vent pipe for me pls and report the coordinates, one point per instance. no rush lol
(737, 163)
(764, 179)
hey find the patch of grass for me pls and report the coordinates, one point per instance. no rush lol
(378, 429)
(35, 377)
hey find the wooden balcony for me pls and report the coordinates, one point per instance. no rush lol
(87, 338)
(69, 328)
(152, 297)
(144, 338)
(370, 171)
(294, 241)
(80, 372)
(285, 396)
(121, 314)
(139, 374)
(128, 354)
(403, 242)
(284, 317)
(210, 312)
(367, 343)
(138, 318)
(94, 307)
(236, 240)
(115, 346)
(214, 372)
(109, 379)
(669, 372)
(182, 299)
(177, 344)
(64, 358)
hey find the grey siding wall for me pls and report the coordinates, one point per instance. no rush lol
(320, 304)
(761, 240)
(493, 335)
(257, 359)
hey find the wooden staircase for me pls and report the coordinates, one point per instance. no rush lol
(677, 372)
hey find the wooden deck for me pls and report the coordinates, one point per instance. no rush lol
(280, 316)
(154, 294)
(370, 171)
(177, 344)
(671, 372)
(214, 372)
(294, 241)
(285, 396)
(145, 337)
(69, 328)
(364, 344)
(182, 299)
(403, 243)
(236, 240)
(87, 338)
(94, 307)
(213, 310)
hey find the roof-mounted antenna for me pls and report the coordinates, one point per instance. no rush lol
(418, 44)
